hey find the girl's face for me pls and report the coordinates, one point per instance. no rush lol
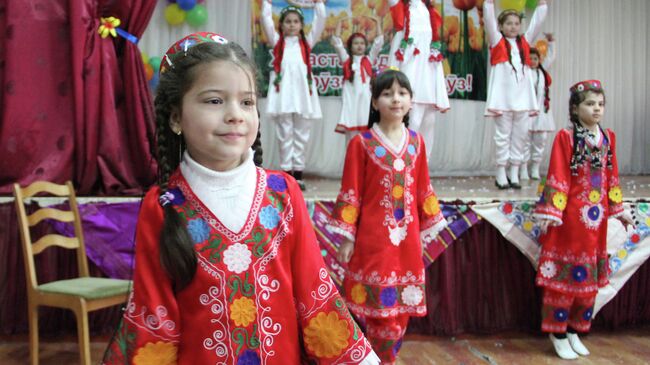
(511, 26)
(358, 46)
(393, 103)
(590, 111)
(534, 60)
(218, 116)
(291, 25)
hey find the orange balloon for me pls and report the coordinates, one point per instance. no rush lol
(148, 70)
(542, 47)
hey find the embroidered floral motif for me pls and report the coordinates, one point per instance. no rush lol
(592, 216)
(615, 194)
(248, 357)
(594, 196)
(398, 164)
(431, 205)
(380, 151)
(586, 315)
(398, 213)
(349, 214)
(237, 257)
(277, 183)
(412, 295)
(388, 296)
(548, 269)
(411, 149)
(243, 311)
(198, 230)
(560, 314)
(579, 273)
(559, 200)
(398, 191)
(396, 235)
(359, 294)
(159, 353)
(269, 217)
(326, 335)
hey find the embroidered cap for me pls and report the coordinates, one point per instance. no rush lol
(179, 49)
(586, 86)
(294, 9)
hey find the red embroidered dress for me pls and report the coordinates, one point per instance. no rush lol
(388, 207)
(574, 251)
(258, 295)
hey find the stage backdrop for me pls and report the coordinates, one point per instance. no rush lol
(463, 42)
(616, 51)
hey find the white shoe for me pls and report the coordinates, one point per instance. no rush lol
(563, 348)
(576, 344)
(523, 172)
(534, 171)
(501, 178)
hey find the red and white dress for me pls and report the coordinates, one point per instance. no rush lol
(261, 294)
(388, 207)
(573, 260)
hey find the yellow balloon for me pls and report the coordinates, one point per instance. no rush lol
(518, 5)
(174, 14)
(145, 57)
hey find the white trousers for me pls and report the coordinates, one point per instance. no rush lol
(422, 118)
(510, 137)
(534, 150)
(292, 132)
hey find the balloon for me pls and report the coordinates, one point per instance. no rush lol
(542, 47)
(148, 70)
(517, 5)
(174, 14)
(145, 57)
(531, 4)
(197, 16)
(153, 83)
(155, 63)
(186, 4)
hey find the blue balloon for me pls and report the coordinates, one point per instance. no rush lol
(186, 4)
(153, 83)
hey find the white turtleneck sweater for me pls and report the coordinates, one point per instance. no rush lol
(227, 194)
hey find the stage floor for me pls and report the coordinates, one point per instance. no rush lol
(479, 189)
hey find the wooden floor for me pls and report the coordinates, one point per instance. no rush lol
(620, 347)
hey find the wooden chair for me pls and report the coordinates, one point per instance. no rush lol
(82, 294)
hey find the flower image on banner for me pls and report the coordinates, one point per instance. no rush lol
(463, 42)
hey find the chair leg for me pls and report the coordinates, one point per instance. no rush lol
(33, 334)
(83, 333)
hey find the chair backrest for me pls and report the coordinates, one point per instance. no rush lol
(30, 249)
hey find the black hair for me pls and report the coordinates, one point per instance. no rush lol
(580, 152)
(381, 82)
(177, 254)
(547, 88)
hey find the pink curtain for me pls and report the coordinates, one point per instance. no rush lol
(74, 105)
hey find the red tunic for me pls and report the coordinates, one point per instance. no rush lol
(573, 259)
(258, 296)
(386, 204)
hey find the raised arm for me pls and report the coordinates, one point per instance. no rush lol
(550, 53)
(537, 20)
(377, 43)
(318, 24)
(267, 23)
(490, 20)
(337, 43)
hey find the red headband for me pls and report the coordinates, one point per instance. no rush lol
(586, 86)
(179, 49)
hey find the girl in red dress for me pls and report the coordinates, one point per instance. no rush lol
(227, 267)
(582, 191)
(386, 210)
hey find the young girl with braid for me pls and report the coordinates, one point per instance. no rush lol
(511, 99)
(542, 124)
(582, 191)
(227, 267)
(292, 100)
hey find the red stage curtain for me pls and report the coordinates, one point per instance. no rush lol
(74, 105)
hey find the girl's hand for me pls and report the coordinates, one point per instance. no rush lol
(543, 225)
(345, 251)
(336, 42)
(626, 220)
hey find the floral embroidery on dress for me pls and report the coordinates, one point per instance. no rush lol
(248, 357)
(548, 269)
(327, 335)
(269, 217)
(615, 194)
(412, 295)
(359, 294)
(199, 230)
(592, 216)
(243, 311)
(159, 353)
(237, 258)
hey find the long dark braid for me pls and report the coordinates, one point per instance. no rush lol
(177, 254)
(580, 151)
(547, 85)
